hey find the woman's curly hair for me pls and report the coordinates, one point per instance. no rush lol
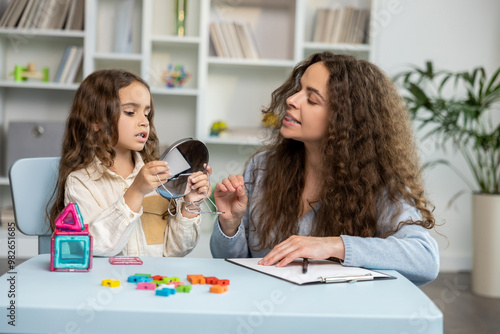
(369, 155)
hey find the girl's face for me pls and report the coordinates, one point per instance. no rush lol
(133, 124)
(307, 114)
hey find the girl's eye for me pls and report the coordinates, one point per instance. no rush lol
(147, 116)
(311, 102)
(129, 113)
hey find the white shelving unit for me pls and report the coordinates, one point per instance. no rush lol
(230, 90)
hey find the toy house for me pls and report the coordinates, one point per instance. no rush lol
(71, 243)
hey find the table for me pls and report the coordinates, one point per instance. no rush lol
(70, 302)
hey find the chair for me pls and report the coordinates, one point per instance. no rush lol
(32, 182)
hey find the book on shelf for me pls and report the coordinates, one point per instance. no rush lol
(233, 40)
(70, 64)
(6, 13)
(341, 25)
(76, 63)
(75, 15)
(44, 14)
(123, 26)
(15, 13)
(26, 13)
(60, 69)
(216, 42)
(60, 15)
(248, 41)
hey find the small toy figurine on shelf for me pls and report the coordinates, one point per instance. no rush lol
(218, 129)
(270, 121)
(22, 73)
(71, 243)
(175, 76)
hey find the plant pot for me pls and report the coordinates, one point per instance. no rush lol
(486, 245)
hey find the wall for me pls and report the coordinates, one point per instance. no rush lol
(455, 35)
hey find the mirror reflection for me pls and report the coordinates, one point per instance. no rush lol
(184, 157)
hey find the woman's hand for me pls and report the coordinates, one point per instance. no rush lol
(149, 177)
(230, 198)
(297, 247)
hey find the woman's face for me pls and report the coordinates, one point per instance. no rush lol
(133, 124)
(307, 114)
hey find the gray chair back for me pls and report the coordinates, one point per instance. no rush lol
(32, 182)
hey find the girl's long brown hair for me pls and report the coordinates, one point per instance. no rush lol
(96, 102)
(369, 155)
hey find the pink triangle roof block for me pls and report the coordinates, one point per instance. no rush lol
(70, 218)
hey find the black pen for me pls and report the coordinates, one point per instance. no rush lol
(305, 264)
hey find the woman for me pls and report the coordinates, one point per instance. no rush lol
(340, 178)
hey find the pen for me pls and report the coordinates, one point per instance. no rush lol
(305, 264)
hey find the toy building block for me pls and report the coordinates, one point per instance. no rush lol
(70, 218)
(111, 283)
(176, 283)
(173, 279)
(71, 251)
(158, 283)
(184, 288)
(223, 282)
(157, 277)
(146, 286)
(22, 73)
(218, 288)
(145, 275)
(139, 279)
(165, 292)
(211, 280)
(164, 286)
(196, 279)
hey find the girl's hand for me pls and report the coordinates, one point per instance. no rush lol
(297, 247)
(230, 198)
(199, 184)
(147, 180)
(150, 175)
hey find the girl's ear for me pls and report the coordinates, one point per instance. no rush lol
(96, 127)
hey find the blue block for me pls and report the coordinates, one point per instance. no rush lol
(165, 292)
(71, 251)
(138, 279)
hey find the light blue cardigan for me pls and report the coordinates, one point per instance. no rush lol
(411, 250)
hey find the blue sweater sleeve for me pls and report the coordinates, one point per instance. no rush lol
(223, 246)
(411, 251)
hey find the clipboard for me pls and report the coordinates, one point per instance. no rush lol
(319, 271)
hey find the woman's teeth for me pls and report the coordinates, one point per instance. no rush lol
(288, 118)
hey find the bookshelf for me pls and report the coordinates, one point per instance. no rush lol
(229, 89)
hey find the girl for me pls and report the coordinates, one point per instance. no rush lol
(109, 168)
(339, 180)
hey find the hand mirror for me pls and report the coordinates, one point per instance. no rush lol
(184, 157)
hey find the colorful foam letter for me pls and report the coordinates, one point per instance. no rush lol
(196, 279)
(111, 283)
(146, 286)
(218, 288)
(184, 288)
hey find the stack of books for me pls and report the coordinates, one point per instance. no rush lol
(44, 14)
(70, 64)
(233, 40)
(341, 25)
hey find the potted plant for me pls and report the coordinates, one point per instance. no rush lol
(459, 108)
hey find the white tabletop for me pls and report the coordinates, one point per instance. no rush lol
(65, 302)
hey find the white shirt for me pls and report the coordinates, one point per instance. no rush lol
(115, 228)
